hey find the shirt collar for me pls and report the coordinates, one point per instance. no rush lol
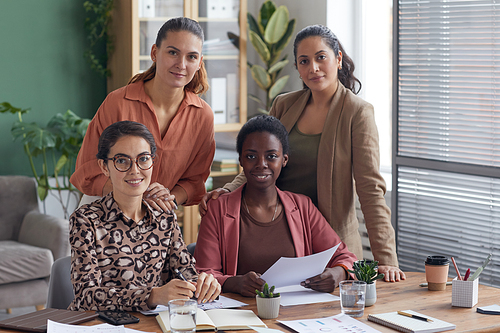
(135, 92)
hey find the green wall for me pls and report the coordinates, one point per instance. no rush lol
(42, 68)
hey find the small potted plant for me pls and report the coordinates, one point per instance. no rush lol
(268, 302)
(366, 270)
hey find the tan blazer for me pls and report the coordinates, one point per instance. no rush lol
(348, 163)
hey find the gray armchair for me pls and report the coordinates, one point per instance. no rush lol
(29, 244)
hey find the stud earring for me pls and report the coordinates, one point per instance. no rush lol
(154, 59)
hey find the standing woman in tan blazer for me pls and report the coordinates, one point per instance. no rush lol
(334, 147)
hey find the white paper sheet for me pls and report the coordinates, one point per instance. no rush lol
(55, 327)
(292, 271)
(294, 295)
(338, 323)
(222, 303)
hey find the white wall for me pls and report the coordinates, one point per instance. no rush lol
(306, 13)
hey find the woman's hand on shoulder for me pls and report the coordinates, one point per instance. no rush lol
(326, 281)
(207, 288)
(392, 273)
(214, 194)
(160, 198)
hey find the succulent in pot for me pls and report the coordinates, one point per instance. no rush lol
(268, 302)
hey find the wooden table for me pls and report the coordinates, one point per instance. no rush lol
(405, 295)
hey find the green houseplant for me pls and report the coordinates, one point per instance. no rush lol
(57, 144)
(366, 271)
(268, 302)
(269, 34)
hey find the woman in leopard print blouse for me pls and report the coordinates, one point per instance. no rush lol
(123, 251)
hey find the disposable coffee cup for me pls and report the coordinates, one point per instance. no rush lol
(436, 272)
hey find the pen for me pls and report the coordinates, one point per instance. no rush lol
(480, 269)
(413, 316)
(466, 276)
(459, 277)
(425, 284)
(179, 275)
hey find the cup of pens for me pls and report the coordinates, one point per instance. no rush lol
(436, 272)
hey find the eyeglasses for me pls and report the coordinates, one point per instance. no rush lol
(123, 163)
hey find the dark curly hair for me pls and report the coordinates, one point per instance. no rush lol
(263, 123)
(115, 131)
(346, 74)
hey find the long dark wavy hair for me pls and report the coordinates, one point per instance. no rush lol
(346, 74)
(199, 83)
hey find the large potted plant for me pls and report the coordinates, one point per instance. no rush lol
(269, 34)
(268, 302)
(57, 144)
(366, 270)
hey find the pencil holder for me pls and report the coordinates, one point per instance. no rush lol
(464, 293)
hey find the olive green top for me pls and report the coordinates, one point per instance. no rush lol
(299, 175)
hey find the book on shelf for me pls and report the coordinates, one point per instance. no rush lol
(225, 157)
(217, 319)
(411, 325)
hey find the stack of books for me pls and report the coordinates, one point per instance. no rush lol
(225, 160)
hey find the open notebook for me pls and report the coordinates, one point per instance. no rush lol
(410, 325)
(217, 319)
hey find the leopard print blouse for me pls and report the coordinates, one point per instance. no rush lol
(116, 261)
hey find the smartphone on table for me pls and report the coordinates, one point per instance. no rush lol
(117, 317)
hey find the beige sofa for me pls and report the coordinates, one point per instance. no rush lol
(29, 244)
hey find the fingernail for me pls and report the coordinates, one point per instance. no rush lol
(147, 196)
(176, 206)
(154, 196)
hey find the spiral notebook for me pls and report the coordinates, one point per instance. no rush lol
(410, 325)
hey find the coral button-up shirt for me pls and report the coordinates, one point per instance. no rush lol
(184, 153)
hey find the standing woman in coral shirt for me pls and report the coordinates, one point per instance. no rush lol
(165, 99)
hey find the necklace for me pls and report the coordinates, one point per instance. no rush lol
(275, 208)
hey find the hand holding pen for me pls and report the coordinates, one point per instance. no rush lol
(207, 287)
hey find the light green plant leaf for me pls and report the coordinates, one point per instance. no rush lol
(260, 76)
(42, 188)
(60, 163)
(283, 42)
(266, 11)
(7, 107)
(278, 86)
(256, 99)
(261, 110)
(260, 46)
(254, 26)
(277, 66)
(277, 25)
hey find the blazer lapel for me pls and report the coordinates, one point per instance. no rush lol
(289, 119)
(326, 152)
(231, 225)
(294, 223)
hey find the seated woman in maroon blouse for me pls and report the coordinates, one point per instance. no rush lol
(246, 231)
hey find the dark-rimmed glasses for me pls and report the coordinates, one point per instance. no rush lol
(123, 163)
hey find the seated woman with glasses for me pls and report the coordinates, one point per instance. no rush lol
(246, 231)
(124, 252)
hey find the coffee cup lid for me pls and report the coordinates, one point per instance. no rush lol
(436, 260)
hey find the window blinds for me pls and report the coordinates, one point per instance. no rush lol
(448, 119)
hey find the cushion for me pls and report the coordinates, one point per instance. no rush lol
(21, 262)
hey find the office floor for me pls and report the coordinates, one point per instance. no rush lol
(16, 312)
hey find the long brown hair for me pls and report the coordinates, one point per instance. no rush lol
(199, 83)
(346, 74)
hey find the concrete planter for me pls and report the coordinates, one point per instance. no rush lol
(268, 308)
